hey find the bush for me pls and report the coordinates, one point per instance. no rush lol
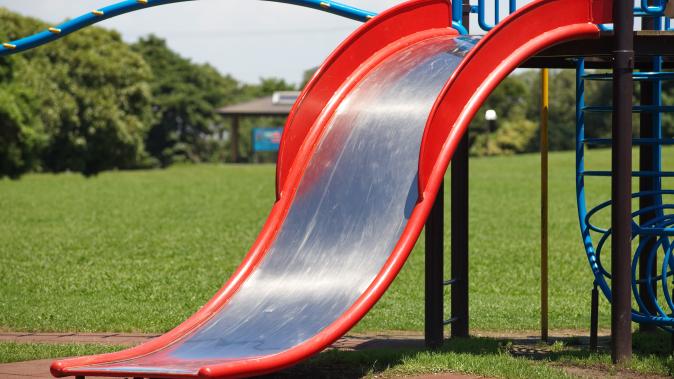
(185, 97)
(70, 106)
(22, 137)
(512, 137)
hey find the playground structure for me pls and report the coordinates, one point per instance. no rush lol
(361, 167)
(649, 284)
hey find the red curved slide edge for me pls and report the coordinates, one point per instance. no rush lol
(392, 25)
(388, 272)
(268, 364)
(501, 63)
(351, 54)
(529, 30)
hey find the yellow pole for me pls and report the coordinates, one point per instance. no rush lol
(544, 202)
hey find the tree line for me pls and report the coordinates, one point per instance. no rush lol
(92, 102)
(517, 102)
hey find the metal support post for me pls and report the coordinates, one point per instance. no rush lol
(594, 318)
(434, 286)
(621, 183)
(544, 203)
(648, 154)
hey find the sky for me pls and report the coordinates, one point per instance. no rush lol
(245, 38)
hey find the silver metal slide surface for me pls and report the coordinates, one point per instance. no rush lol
(351, 206)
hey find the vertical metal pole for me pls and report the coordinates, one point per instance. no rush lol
(459, 174)
(594, 318)
(647, 155)
(435, 273)
(671, 337)
(621, 182)
(465, 19)
(234, 139)
(544, 202)
(434, 286)
(460, 239)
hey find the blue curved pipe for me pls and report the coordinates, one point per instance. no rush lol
(127, 6)
(333, 7)
(653, 10)
(460, 28)
(482, 10)
(660, 227)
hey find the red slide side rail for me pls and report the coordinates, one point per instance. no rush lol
(524, 33)
(334, 81)
(392, 25)
(521, 35)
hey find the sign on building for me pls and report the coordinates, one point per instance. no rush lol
(266, 139)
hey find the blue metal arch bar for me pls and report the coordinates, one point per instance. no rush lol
(95, 16)
(659, 228)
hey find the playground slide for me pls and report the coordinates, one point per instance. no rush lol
(364, 152)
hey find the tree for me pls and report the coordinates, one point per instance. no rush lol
(185, 96)
(266, 87)
(84, 101)
(110, 92)
(513, 137)
(307, 76)
(510, 100)
(562, 115)
(22, 136)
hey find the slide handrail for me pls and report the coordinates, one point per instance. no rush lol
(101, 14)
(97, 15)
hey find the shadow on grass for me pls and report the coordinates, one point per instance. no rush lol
(652, 357)
(379, 355)
(652, 354)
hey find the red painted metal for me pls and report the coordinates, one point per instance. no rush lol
(499, 53)
(392, 21)
(532, 28)
(396, 23)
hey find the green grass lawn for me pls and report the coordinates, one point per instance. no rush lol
(497, 358)
(477, 356)
(141, 251)
(18, 352)
(492, 358)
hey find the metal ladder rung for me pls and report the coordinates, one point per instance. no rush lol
(637, 76)
(450, 320)
(637, 174)
(635, 109)
(635, 141)
(450, 282)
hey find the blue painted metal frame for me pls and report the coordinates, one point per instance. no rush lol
(635, 141)
(661, 227)
(638, 76)
(127, 6)
(481, 10)
(657, 109)
(343, 10)
(641, 10)
(653, 10)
